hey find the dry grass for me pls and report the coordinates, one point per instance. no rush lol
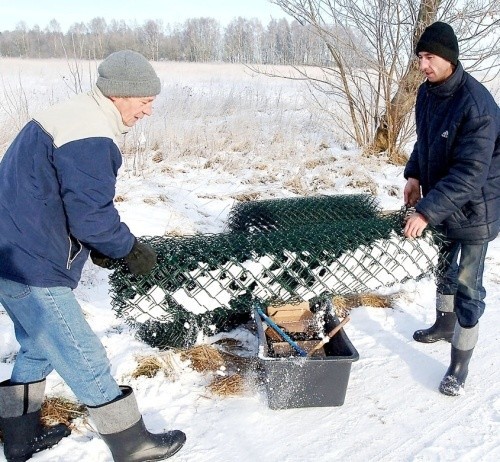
(246, 197)
(309, 164)
(344, 303)
(149, 366)
(176, 232)
(231, 385)
(322, 181)
(157, 157)
(209, 359)
(234, 362)
(260, 166)
(363, 183)
(398, 157)
(204, 358)
(61, 410)
(297, 185)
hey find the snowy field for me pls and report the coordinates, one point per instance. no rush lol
(220, 134)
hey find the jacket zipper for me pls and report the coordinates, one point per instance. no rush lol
(71, 260)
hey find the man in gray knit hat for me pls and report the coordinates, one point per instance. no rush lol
(57, 185)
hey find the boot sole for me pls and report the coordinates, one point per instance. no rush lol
(450, 386)
(161, 457)
(432, 340)
(422, 337)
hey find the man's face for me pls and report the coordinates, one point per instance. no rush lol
(435, 68)
(133, 109)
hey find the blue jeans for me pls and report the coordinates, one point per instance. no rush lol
(461, 268)
(53, 334)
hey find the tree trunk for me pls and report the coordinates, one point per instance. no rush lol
(397, 111)
(402, 103)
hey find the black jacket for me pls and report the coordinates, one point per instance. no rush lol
(457, 158)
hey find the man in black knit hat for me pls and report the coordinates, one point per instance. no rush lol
(453, 181)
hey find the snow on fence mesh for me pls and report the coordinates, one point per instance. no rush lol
(274, 251)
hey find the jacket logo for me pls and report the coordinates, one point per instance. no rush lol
(445, 134)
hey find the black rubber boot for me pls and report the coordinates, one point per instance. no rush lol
(454, 379)
(442, 329)
(122, 428)
(462, 345)
(23, 434)
(136, 444)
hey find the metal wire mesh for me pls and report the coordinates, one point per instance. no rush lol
(272, 214)
(203, 284)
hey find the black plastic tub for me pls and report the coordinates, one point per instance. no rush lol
(315, 381)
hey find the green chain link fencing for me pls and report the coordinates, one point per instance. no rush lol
(274, 251)
(269, 215)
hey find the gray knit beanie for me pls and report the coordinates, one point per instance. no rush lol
(127, 73)
(440, 40)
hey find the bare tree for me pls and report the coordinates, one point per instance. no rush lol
(241, 41)
(172, 43)
(79, 38)
(22, 38)
(54, 31)
(151, 33)
(202, 38)
(373, 76)
(97, 28)
(278, 42)
(120, 36)
(35, 36)
(308, 48)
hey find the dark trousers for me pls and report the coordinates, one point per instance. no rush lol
(461, 268)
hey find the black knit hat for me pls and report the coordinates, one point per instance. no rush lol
(440, 40)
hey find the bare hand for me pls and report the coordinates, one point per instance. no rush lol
(412, 192)
(415, 225)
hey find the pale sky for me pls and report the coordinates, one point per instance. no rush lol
(67, 12)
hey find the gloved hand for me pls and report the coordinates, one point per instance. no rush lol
(100, 260)
(141, 259)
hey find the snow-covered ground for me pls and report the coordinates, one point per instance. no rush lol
(221, 133)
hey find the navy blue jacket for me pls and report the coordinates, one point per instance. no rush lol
(456, 158)
(57, 185)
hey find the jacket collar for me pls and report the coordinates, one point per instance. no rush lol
(450, 85)
(110, 110)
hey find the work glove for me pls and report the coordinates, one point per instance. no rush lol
(100, 260)
(141, 259)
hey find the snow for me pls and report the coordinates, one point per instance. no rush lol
(393, 410)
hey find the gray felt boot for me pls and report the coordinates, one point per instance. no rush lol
(121, 426)
(462, 345)
(444, 326)
(23, 433)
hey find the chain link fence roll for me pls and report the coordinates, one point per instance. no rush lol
(275, 251)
